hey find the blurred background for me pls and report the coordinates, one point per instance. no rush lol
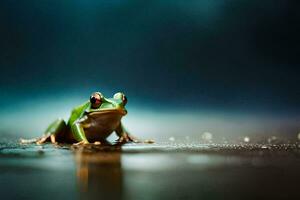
(202, 77)
(227, 67)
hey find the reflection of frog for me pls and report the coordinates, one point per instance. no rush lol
(99, 171)
(92, 121)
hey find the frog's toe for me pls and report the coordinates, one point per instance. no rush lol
(122, 139)
(127, 138)
(28, 141)
(53, 139)
(42, 140)
(133, 139)
(81, 143)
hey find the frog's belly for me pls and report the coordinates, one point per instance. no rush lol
(98, 126)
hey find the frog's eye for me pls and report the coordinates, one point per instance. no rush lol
(124, 99)
(96, 99)
(121, 96)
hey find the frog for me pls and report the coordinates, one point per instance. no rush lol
(91, 122)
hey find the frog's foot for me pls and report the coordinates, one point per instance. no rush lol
(83, 142)
(42, 140)
(127, 138)
(46, 138)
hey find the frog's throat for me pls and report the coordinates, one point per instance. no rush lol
(108, 111)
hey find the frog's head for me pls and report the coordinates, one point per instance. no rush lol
(101, 104)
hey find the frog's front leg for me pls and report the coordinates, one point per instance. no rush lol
(124, 136)
(78, 133)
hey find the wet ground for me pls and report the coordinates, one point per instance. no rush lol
(164, 170)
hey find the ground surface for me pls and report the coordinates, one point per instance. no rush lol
(165, 170)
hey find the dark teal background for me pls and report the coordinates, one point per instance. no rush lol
(226, 56)
(214, 82)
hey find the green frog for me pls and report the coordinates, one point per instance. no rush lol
(91, 122)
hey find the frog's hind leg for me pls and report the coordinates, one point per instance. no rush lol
(54, 130)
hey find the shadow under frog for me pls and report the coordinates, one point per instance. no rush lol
(99, 171)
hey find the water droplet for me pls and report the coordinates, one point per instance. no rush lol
(272, 139)
(207, 136)
(172, 139)
(246, 139)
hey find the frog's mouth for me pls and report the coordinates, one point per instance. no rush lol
(109, 111)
